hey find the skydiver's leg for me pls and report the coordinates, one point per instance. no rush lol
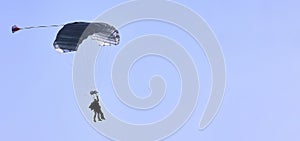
(94, 116)
(102, 115)
(98, 114)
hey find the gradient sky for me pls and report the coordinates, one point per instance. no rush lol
(259, 39)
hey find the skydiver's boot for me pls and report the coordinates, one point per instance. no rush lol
(102, 117)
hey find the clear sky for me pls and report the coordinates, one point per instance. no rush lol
(259, 39)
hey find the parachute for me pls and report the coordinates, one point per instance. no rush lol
(71, 35)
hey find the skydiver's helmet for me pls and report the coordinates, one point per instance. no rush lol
(93, 92)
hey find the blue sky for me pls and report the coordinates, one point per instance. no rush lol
(259, 39)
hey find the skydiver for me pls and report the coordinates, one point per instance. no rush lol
(96, 107)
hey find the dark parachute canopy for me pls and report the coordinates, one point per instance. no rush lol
(71, 35)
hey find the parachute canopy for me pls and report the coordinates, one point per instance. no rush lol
(72, 35)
